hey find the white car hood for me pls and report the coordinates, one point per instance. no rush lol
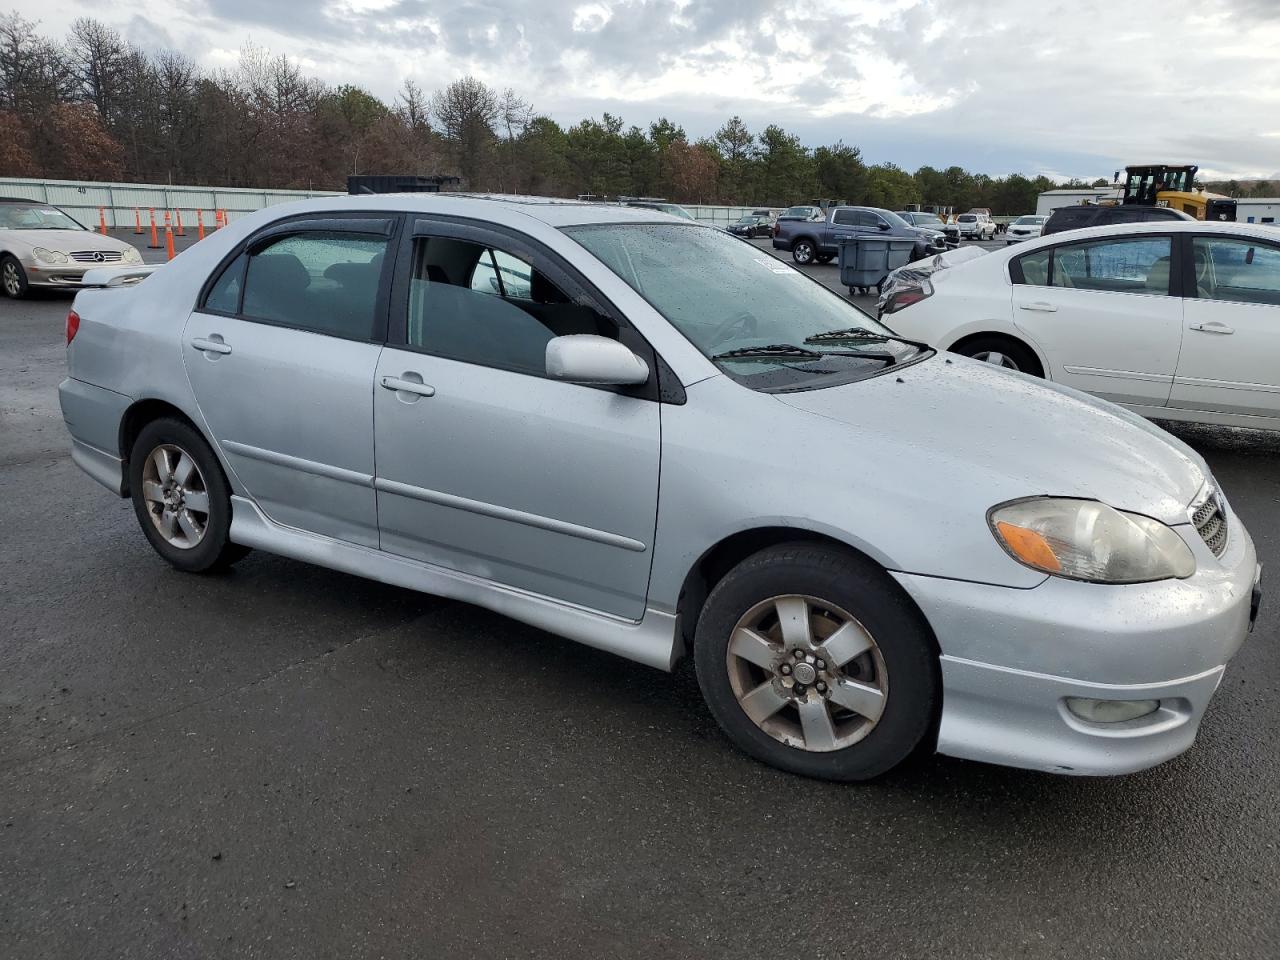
(64, 240)
(1006, 435)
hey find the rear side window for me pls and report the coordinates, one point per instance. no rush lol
(843, 216)
(320, 282)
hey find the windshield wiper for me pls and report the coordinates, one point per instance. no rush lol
(770, 350)
(849, 334)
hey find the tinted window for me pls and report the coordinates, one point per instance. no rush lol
(322, 282)
(1129, 265)
(225, 293)
(472, 303)
(845, 216)
(1035, 268)
(1242, 271)
(863, 218)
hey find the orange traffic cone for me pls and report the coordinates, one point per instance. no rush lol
(155, 240)
(168, 238)
(179, 232)
(102, 221)
(137, 221)
(199, 224)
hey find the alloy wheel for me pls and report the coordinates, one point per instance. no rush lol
(996, 358)
(807, 673)
(176, 496)
(12, 284)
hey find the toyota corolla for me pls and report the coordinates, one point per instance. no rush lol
(651, 437)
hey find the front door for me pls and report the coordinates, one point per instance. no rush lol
(486, 466)
(1231, 350)
(1104, 315)
(281, 355)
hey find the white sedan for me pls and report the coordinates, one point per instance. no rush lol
(1177, 321)
(1024, 228)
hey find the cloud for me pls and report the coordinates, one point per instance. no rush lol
(1079, 85)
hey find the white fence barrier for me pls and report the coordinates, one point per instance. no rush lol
(83, 198)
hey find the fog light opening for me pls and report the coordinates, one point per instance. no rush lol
(1111, 711)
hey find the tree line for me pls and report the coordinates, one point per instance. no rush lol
(92, 106)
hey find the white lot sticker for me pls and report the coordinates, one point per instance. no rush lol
(775, 265)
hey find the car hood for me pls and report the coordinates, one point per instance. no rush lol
(63, 240)
(1006, 435)
(926, 232)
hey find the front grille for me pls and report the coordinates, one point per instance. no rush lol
(1210, 521)
(96, 256)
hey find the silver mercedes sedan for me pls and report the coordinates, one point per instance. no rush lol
(44, 246)
(650, 436)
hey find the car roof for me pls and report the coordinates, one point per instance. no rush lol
(1259, 231)
(550, 210)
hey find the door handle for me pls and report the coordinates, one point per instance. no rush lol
(1213, 326)
(402, 385)
(1040, 306)
(212, 344)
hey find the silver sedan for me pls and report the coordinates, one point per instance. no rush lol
(43, 246)
(648, 436)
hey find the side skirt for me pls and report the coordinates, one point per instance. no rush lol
(651, 641)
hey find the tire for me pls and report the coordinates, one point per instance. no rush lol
(825, 257)
(13, 279)
(803, 252)
(159, 504)
(1003, 352)
(900, 685)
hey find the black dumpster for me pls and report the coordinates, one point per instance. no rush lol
(866, 261)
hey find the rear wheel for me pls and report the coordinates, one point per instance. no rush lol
(825, 257)
(812, 660)
(803, 252)
(181, 497)
(1001, 352)
(13, 279)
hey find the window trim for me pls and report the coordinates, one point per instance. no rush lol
(1176, 264)
(1188, 273)
(662, 385)
(384, 224)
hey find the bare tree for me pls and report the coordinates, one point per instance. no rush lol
(514, 115)
(467, 110)
(97, 60)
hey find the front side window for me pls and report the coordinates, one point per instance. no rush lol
(486, 306)
(863, 218)
(320, 282)
(1237, 270)
(737, 305)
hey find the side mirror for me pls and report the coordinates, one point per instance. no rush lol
(883, 225)
(587, 358)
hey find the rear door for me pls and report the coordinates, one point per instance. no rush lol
(484, 464)
(1104, 314)
(1230, 359)
(281, 354)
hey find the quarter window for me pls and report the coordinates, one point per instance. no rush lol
(321, 282)
(486, 306)
(1241, 271)
(224, 296)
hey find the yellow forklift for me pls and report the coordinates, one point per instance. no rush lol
(1165, 185)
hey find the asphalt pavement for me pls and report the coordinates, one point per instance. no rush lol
(288, 762)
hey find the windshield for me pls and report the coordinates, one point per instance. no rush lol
(17, 216)
(1030, 221)
(728, 296)
(926, 219)
(889, 215)
(797, 213)
(746, 219)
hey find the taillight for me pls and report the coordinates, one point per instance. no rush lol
(900, 299)
(73, 326)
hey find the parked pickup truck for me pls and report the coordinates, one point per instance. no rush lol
(818, 239)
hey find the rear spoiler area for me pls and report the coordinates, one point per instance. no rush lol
(108, 277)
(915, 276)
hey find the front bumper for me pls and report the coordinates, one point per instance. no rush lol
(63, 274)
(1011, 657)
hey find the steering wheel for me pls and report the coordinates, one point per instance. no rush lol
(745, 320)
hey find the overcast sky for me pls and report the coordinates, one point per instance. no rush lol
(1063, 87)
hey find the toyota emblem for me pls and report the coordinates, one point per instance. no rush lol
(100, 257)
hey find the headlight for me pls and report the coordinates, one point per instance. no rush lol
(1087, 540)
(132, 256)
(49, 256)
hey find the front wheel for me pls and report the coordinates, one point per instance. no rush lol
(813, 660)
(803, 252)
(13, 279)
(181, 497)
